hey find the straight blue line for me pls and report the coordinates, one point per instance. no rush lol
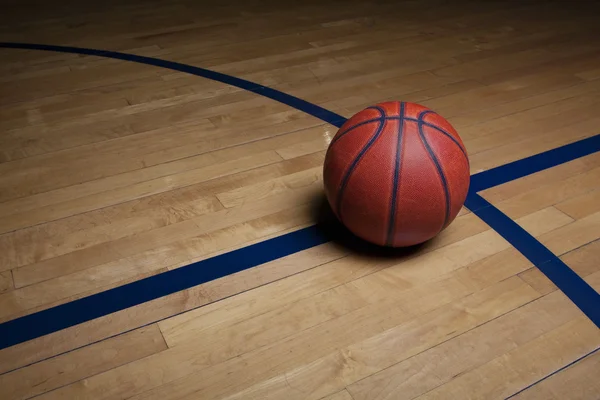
(79, 311)
(100, 304)
(571, 284)
(295, 102)
(82, 310)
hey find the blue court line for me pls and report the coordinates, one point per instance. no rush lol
(536, 163)
(82, 310)
(85, 309)
(571, 284)
(100, 304)
(289, 100)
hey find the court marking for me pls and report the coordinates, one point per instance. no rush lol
(535, 163)
(289, 100)
(103, 303)
(569, 282)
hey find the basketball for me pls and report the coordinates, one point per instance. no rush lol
(396, 174)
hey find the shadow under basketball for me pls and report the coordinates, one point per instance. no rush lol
(335, 231)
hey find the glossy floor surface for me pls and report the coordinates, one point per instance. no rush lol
(112, 171)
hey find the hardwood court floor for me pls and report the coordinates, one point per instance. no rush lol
(111, 171)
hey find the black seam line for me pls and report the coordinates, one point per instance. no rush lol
(341, 134)
(396, 183)
(429, 125)
(437, 165)
(348, 173)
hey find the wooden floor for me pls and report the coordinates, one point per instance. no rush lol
(111, 171)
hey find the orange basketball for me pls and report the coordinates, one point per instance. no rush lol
(396, 174)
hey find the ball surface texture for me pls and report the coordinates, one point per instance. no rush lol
(396, 174)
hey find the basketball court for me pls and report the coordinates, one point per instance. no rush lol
(164, 232)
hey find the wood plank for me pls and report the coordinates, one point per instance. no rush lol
(584, 260)
(475, 274)
(150, 256)
(497, 94)
(590, 75)
(558, 114)
(6, 281)
(468, 121)
(547, 177)
(73, 79)
(493, 252)
(44, 270)
(153, 180)
(341, 367)
(199, 331)
(259, 191)
(90, 280)
(136, 151)
(536, 109)
(36, 244)
(412, 271)
(112, 171)
(438, 365)
(533, 145)
(95, 330)
(122, 321)
(553, 193)
(519, 59)
(64, 118)
(300, 202)
(186, 324)
(576, 234)
(56, 108)
(85, 362)
(232, 340)
(578, 382)
(525, 364)
(343, 395)
(257, 365)
(142, 192)
(581, 206)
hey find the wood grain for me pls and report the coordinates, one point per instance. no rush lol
(112, 171)
(576, 382)
(67, 368)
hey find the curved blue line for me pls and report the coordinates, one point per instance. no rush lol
(50, 320)
(299, 104)
(572, 285)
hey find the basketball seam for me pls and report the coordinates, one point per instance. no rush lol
(441, 130)
(437, 165)
(395, 186)
(347, 175)
(362, 123)
(393, 118)
(342, 134)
